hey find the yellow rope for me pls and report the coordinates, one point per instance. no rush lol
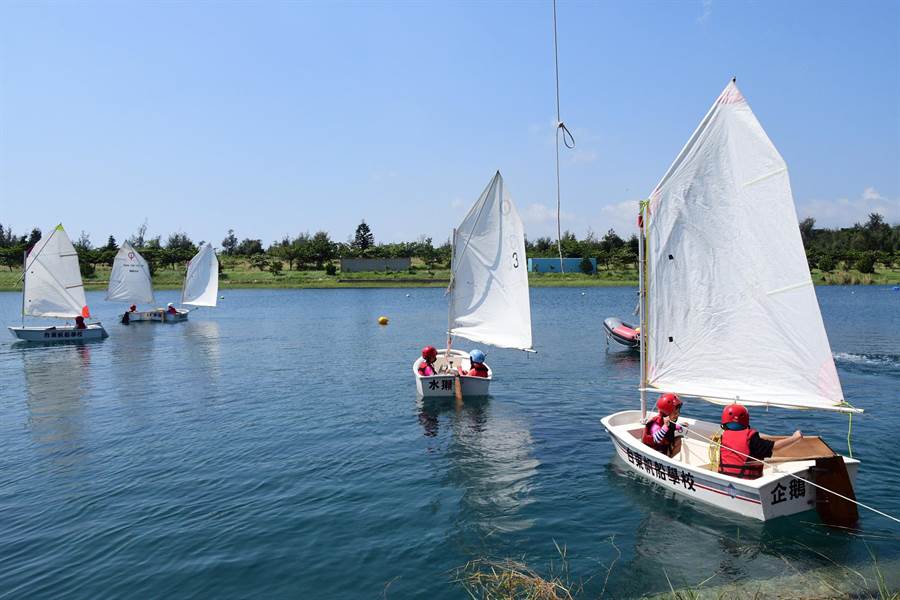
(713, 451)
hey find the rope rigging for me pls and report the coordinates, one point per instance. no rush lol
(714, 442)
(567, 139)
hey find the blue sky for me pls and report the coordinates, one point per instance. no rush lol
(274, 118)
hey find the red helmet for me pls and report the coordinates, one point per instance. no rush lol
(429, 353)
(667, 404)
(736, 413)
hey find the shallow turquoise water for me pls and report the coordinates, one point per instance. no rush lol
(273, 447)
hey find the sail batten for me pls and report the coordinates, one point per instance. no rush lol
(201, 283)
(731, 310)
(489, 300)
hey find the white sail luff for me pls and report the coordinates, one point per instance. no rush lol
(129, 280)
(489, 299)
(201, 283)
(53, 285)
(731, 312)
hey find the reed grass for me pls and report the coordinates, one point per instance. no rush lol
(514, 579)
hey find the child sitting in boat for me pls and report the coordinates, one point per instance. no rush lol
(171, 309)
(743, 449)
(662, 433)
(79, 323)
(429, 355)
(476, 357)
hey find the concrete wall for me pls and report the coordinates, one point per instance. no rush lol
(357, 265)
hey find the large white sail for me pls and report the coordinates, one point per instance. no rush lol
(489, 283)
(201, 284)
(731, 309)
(129, 280)
(53, 286)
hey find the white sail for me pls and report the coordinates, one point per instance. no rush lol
(489, 283)
(731, 309)
(53, 286)
(129, 280)
(201, 284)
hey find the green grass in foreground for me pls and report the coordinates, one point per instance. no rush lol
(238, 274)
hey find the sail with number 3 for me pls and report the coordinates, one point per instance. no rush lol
(489, 300)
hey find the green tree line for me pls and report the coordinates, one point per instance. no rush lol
(860, 247)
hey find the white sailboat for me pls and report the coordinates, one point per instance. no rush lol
(729, 314)
(201, 285)
(130, 282)
(53, 288)
(488, 290)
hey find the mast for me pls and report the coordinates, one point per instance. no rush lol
(450, 291)
(24, 275)
(642, 300)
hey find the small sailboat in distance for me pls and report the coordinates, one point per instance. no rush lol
(201, 283)
(53, 288)
(488, 291)
(729, 315)
(130, 282)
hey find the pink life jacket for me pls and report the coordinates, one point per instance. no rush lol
(426, 370)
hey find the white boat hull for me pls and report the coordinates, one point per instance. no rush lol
(775, 494)
(59, 333)
(443, 384)
(159, 315)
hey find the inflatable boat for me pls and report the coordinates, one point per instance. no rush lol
(623, 333)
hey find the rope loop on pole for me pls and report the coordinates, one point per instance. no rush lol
(567, 138)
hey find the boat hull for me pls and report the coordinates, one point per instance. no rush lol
(157, 316)
(775, 494)
(622, 333)
(59, 334)
(443, 384)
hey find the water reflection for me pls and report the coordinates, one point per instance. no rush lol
(490, 460)
(57, 379)
(702, 544)
(202, 357)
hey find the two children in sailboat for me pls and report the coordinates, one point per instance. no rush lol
(430, 355)
(742, 449)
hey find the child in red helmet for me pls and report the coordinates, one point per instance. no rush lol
(743, 449)
(429, 356)
(662, 433)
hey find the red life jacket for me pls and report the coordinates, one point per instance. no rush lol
(426, 370)
(478, 370)
(647, 438)
(734, 464)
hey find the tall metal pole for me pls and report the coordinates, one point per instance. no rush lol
(642, 295)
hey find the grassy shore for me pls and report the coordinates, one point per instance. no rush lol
(239, 274)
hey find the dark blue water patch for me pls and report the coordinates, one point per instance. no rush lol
(274, 447)
(879, 365)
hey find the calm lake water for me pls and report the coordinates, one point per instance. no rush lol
(273, 447)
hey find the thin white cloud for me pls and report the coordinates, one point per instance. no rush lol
(621, 216)
(583, 156)
(844, 212)
(706, 12)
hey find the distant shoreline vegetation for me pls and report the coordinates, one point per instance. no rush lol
(863, 254)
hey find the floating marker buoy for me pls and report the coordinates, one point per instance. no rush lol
(382, 320)
(407, 295)
(582, 293)
(221, 297)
